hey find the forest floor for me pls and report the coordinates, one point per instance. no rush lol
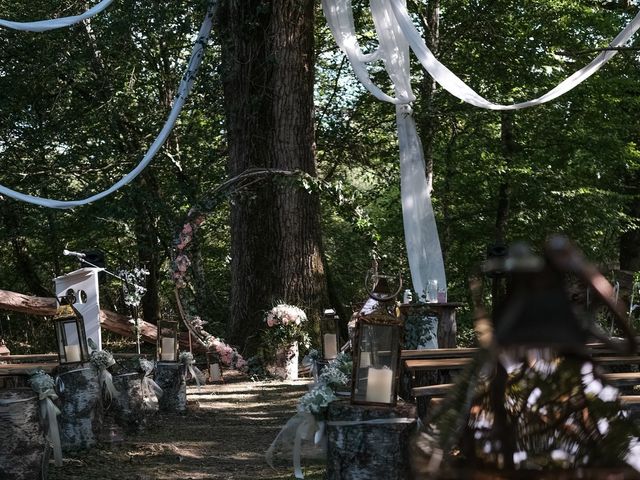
(223, 435)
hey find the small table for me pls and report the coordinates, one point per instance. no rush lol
(446, 313)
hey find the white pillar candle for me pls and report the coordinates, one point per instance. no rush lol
(379, 382)
(215, 375)
(365, 359)
(168, 352)
(330, 346)
(72, 353)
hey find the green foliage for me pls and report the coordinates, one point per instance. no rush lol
(80, 106)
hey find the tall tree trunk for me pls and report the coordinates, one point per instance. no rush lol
(504, 189)
(267, 50)
(429, 122)
(630, 240)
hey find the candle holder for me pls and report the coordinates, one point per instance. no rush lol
(330, 334)
(70, 333)
(376, 357)
(167, 341)
(214, 367)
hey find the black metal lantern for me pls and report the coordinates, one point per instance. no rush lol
(376, 357)
(167, 340)
(214, 367)
(70, 334)
(330, 334)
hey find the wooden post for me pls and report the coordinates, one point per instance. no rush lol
(364, 451)
(170, 378)
(81, 406)
(24, 450)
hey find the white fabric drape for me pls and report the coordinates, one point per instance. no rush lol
(396, 33)
(421, 233)
(450, 82)
(44, 25)
(183, 91)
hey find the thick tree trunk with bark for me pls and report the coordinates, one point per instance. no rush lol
(275, 236)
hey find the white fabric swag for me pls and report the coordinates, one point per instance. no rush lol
(450, 82)
(183, 91)
(44, 25)
(396, 33)
(421, 233)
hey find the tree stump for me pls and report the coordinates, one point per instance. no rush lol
(128, 412)
(24, 450)
(170, 378)
(81, 406)
(366, 451)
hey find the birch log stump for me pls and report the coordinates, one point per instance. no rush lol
(81, 406)
(170, 378)
(24, 450)
(132, 407)
(364, 452)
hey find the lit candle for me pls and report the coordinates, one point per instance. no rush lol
(215, 375)
(379, 383)
(168, 352)
(72, 353)
(330, 346)
(365, 359)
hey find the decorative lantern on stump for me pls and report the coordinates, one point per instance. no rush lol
(70, 333)
(167, 340)
(330, 334)
(376, 352)
(214, 368)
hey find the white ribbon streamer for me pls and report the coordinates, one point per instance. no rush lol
(106, 379)
(420, 229)
(306, 430)
(49, 413)
(44, 25)
(450, 82)
(183, 91)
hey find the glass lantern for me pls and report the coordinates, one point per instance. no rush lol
(214, 367)
(70, 334)
(376, 358)
(330, 334)
(167, 340)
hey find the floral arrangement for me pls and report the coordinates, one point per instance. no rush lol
(102, 359)
(41, 382)
(283, 314)
(133, 290)
(285, 326)
(334, 376)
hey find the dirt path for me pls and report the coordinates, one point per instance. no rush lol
(223, 435)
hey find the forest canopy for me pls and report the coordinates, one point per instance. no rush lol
(80, 106)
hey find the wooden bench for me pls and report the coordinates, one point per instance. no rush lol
(624, 379)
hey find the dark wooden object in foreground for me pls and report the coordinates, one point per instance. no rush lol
(24, 450)
(368, 451)
(81, 406)
(170, 378)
